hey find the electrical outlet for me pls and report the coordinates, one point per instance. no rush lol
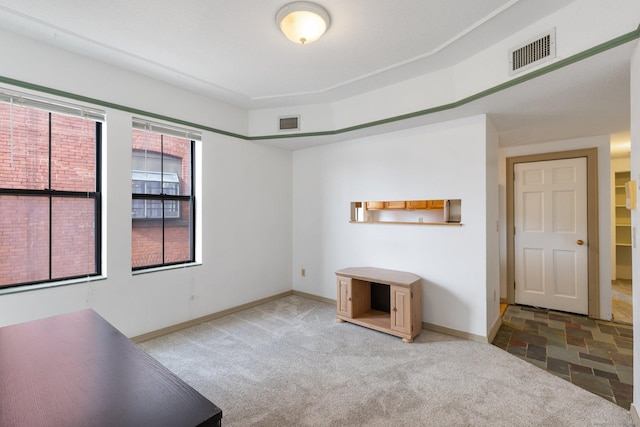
(303, 272)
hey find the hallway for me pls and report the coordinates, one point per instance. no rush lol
(595, 355)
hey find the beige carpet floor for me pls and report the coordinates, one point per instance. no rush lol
(289, 363)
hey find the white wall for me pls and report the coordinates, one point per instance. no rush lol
(492, 235)
(443, 161)
(635, 217)
(61, 70)
(604, 208)
(244, 204)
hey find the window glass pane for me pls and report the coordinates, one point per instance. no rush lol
(24, 239)
(24, 147)
(137, 186)
(154, 208)
(153, 187)
(177, 237)
(171, 188)
(73, 237)
(146, 241)
(171, 209)
(147, 149)
(73, 153)
(137, 209)
(178, 148)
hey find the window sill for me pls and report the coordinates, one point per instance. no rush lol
(47, 285)
(164, 268)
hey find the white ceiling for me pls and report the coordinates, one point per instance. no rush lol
(232, 50)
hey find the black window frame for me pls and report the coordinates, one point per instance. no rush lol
(52, 194)
(162, 198)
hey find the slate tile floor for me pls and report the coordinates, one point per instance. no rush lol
(593, 354)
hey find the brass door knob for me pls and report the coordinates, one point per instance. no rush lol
(580, 242)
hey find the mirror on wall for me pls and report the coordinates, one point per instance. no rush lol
(428, 212)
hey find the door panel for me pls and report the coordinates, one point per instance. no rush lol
(400, 309)
(564, 273)
(550, 216)
(533, 278)
(533, 211)
(344, 296)
(564, 211)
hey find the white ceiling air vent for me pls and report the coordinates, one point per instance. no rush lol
(289, 123)
(533, 52)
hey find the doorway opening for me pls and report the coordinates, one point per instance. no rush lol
(592, 232)
(566, 344)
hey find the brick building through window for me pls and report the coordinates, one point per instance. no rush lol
(162, 198)
(49, 192)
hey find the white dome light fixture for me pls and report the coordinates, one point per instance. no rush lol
(302, 21)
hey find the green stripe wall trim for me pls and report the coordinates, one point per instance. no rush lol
(107, 104)
(603, 47)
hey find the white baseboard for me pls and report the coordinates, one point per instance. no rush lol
(634, 415)
(454, 332)
(314, 297)
(208, 317)
(212, 316)
(493, 330)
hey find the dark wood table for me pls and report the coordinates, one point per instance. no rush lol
(78, 370)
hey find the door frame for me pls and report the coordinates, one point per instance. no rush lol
(593, 253)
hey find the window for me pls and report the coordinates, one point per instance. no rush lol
(162, 206)
(146, 182)
(49, 190)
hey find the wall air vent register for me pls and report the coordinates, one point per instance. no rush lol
(533, 52)
(289, 123)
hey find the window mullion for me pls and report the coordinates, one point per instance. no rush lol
(97, 218)
(164, 259)
(50, 206)
(192, 204)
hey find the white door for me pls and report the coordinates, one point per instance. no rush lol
(550, 216)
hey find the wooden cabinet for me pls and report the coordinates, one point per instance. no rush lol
(417, 204)
(395, 205)
(375, 205)
(406, 204)
(435, 204)
(425, 204)
(385, 300)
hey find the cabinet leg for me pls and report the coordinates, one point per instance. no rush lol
(407, 340)
(340, 320)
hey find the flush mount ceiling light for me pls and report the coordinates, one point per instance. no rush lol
(302, 21)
